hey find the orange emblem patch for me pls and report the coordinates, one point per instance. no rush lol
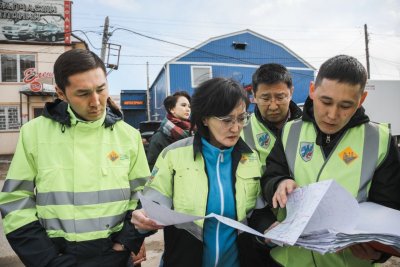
(113, 156)
(348, 155)
(243, 159)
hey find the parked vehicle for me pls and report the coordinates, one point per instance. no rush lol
(11, 31)
(29, 31)
(50, 33)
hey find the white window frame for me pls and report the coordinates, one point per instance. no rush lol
(7, 122)
(192, 68)
(19, 78)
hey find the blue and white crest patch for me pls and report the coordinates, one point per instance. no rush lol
(306, 150)
(263, 139)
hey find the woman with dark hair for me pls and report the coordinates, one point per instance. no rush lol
(175, 126)
(212, 172)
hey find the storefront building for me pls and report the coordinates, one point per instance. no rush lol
(27, 56)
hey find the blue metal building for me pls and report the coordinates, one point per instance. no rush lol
(236, 55)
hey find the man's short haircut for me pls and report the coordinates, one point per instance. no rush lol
(75, 61)
(215, 97)
(170, 101)
(271, 73)
(344, 69)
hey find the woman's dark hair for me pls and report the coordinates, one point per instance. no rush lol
(75, 61)
(170, 101)
(215, 97)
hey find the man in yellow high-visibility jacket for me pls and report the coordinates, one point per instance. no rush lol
(272, 90)
(71, 186)
(335, 139)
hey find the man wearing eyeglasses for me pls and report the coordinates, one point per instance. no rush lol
(335, 139)
(272, 90)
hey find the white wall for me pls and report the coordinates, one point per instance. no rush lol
(383, 102)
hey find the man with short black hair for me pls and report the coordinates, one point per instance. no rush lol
(273, 90)
(70, 189)
(334, 139)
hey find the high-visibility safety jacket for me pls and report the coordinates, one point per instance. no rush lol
(351, 163)
(259, 138)
(261, 135)
(179, 181)
(77, 178)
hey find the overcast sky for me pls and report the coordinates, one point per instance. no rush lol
(315, 30)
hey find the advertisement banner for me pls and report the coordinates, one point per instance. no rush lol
(35, 20)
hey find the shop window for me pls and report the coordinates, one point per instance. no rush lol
(200, 74)
(14, 65)
(9, 118)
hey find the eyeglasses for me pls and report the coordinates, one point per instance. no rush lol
(279, 99)
(229, 121)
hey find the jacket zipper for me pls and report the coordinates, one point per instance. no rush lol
(221, 193)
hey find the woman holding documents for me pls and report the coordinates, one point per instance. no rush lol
(335, 140)
(212, 172)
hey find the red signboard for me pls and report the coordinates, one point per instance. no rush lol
(67, 22)
(35, 20)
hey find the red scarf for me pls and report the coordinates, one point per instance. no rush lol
(175, 128)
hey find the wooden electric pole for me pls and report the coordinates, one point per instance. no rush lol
(367, 49)
(148, 92)
(105, 40)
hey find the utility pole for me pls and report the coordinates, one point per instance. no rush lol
(148, 92)
(366, 49)
(105, 40)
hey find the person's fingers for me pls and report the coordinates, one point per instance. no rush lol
(274, 201)
(141, 221)
(282, 199)
(290, 185)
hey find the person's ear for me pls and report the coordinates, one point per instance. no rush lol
(363, 96)
(60, 94)
(291, 92)
(312, 90)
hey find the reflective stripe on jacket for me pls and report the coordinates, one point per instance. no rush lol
(351, 163)
(259, 138)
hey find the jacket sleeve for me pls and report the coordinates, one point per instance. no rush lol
(138, 176)
(155, 147)
(25, 234)
(276, 170)
(385, 186)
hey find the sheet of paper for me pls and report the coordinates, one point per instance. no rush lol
(235, 224)
(322, 217)
(163, 215)
(299, 209)
(337, 203)
(375, 218)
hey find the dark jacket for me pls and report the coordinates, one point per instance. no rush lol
(44, 251)
(385, 185)
(158, 142)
